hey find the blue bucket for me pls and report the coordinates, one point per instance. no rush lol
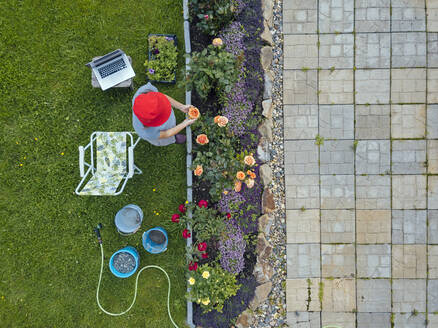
(155, 240)
(128, 249)
(128, 219)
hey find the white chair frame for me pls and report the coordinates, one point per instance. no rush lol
(132, 168)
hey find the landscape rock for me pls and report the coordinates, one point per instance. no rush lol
(261, 294)
(265, 174)
(267, 35)
(263, 152)
(266, 57)
(268, 10)
(263, 272)
(267, 93)
(268, 202)
(265, 223)
(267, 108)
(263, 248)
(244, 320)
(265, 129)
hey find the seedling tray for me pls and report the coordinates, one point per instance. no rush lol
(151, 56)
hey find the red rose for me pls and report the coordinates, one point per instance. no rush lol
(206, 16)
(203, 203)
(193, 266)
(186, 234)
(202, 246)
(204, 255)
(175, 218)
(182, 208)
(228, 216)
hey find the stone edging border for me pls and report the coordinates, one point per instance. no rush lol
(188, 50)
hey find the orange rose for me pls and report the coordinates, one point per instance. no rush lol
(240, 175)
(249, 183)
(216, 119)
(251, 174)
(193, 113)
(202, 139)
(199, 170)
(217, 42)
(249, 160)
(222, 121)
(237, 186)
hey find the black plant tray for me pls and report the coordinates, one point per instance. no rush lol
(150, 56)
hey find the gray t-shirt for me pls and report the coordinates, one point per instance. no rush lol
(152, 133)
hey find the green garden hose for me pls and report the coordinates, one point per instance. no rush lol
(135, 291)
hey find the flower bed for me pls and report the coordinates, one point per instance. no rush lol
(226, 80)
(162, 58)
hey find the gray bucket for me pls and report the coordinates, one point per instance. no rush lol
(128, 219)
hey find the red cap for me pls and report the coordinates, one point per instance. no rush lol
(152, 108)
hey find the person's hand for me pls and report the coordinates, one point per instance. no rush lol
(185, 108)
(189, 121)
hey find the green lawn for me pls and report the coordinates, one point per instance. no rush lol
(49, 255)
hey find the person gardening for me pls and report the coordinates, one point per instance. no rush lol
(153, 118)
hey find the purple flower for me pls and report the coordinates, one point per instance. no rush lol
(155, 51)
(233, 37)
(230, 202)
(151, 71)
(169, 38)
(232, 248)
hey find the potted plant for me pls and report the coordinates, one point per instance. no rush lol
(162, 58)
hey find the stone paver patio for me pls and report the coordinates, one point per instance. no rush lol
(361, 162)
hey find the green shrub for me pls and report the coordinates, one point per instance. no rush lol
(213, 15)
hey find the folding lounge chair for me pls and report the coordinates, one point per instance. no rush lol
(112, 167)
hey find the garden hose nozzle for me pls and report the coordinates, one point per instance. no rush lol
(97, 232)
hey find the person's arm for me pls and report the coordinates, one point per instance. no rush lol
(178, 105)
(177, 128)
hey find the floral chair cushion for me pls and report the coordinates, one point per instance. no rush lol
(102, 183)
(111, 152)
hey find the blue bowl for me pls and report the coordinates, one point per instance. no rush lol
(151, 246)
(128, 249)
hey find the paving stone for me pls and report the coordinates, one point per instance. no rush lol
(337, 226)
(432, 49)
(339, 295)
(432, 156)
(335, 87)
(432, 261)
(303, 226)
(336, 50)
(372, 86)
(336, 121)
(372, 121)
(432, 16)
(300, 51)
(373, 156)
(432, 85)
(373, 50)
(373, 192)
(373, 261)
(373, 295)
(408, 192)
(302, 191)
(303, 260)
(298, 319)
(372, 16)
(432, 319)
(338, 260)
(341, 319)
(432, 216)
(297, 294)
(408, 121)
(300, 87)
(337, 192)
(408, 156)
(337, 157)
(301, 157)
(300, 16)
(300, 121)
(432, 295)
(432, 121)
(432, 192)
(407, 320)
(408, 294)
(374, 320)
(408, 85)
(408, 15)
(409, 226)
(336, 16)
(408, 49)
(409, 261)
(373, 226)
